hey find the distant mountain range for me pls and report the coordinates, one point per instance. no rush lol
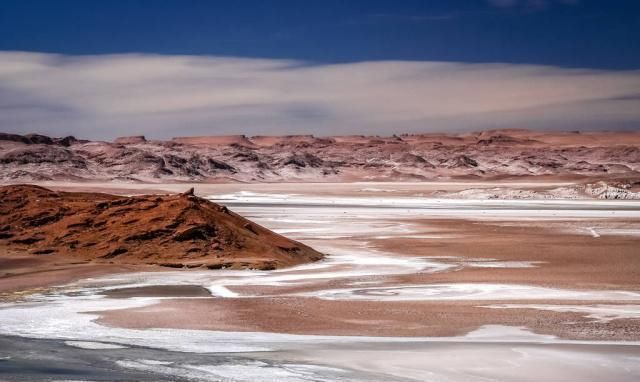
(489, 155)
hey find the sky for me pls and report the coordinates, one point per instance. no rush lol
(163, 68)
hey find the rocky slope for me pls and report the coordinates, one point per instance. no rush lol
(487, 155)
(598, 190)
(171, 230)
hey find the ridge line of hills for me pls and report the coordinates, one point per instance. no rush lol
(488, 155)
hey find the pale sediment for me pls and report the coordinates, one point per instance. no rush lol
(398, 283)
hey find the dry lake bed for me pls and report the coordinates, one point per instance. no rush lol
(413, 288)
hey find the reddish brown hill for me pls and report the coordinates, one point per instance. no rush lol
(170, 230)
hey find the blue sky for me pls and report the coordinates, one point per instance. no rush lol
(69, 66)
(577, 33)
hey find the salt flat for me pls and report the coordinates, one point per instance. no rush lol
(412, 289)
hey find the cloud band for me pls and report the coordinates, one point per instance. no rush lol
(162, 96)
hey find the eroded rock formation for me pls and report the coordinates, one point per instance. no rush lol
(171, 230)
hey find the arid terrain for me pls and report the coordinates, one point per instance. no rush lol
(327, 259)
(490, 155)
(169, 230)
(413, 287)
(320, 191)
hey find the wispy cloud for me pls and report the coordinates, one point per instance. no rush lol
(162, 96)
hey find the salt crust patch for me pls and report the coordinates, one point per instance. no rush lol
(469, 291)
(500, 333)
(257, 371)
(501, 264)
(64, 317)
(93, 345)
(471, 208)
(600, 312)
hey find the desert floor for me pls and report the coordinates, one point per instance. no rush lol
(413, 288)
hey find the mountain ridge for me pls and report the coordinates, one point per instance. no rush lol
(490, 155)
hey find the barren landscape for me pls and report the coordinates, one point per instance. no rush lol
(170, 230)
(319, 191)
(413, 287)
(612, 157)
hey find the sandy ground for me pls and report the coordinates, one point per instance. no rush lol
(23, 274)
(562, 261)
(555, 254)
(391, 274)
(363, 318)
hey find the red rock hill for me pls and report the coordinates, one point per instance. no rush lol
(170, 230)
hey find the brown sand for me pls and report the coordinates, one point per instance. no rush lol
(362, 318)
(22, 274)
(570, 261)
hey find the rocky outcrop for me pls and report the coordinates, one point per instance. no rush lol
(37, 139)
(171, 230)
(132, 140)
(602, 190)
(460, 161)
(40, 155)
(302, 160)
(305, 158)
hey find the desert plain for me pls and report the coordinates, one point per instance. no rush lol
(416, 283)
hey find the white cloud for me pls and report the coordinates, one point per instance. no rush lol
(163, 96)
